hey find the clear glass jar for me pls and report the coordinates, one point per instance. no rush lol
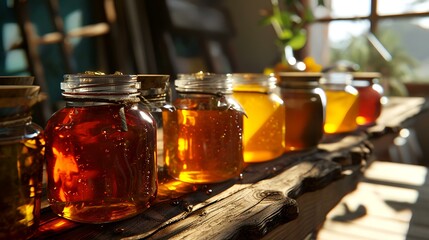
(370, 96)
(305, 104)
(203, 135)
(342, 106)
(21, 163)
(154, 95)
(263, 136)
(101, 150)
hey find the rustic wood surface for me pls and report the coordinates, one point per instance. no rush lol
(290, 195)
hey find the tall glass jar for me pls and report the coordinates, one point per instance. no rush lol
(101, 150)
(263, 136)
(305, 104)
(203, 135)
(342, 106)
(21, 162)
(370, 96)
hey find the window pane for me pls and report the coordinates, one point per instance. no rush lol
(407, 41)
(336, 35)
(341, 8)
(402, 6)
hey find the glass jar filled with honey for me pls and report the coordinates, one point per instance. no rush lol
(305, 104)
(21, 162)
(101, 150)
(342, 107)
(370, 96)
(263, 136)
(203, 135)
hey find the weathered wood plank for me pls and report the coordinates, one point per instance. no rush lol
(313, 208)
(254, 204)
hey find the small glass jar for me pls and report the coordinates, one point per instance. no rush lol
(370, 96)
(342, 107)
(203, 135)
(21, 163)
(263, 136)
(305, 104)
(101, 150)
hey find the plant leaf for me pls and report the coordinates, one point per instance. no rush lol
(298, 41)
(286, 34)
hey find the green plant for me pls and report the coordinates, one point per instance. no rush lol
(288, 20)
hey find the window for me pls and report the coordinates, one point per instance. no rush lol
(389, 36)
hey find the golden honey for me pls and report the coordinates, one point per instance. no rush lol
(263, 136)
(203, 135)
(342, 107)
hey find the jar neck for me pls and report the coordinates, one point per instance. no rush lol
(113, 88)
(204, 83)
(88, 101)
(251, 82)
(299, 84)
(12, 130)
(337, 78)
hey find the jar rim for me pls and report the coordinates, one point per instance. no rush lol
(204, 82)
(116, 87)
(260, 79)
(366, 75)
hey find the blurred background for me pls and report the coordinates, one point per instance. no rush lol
(49, 38)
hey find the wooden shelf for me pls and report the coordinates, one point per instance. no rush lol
(288, 196)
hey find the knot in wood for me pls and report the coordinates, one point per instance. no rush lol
(268, 195)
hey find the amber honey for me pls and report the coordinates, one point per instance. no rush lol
(305, 105)
(203, 135)
(21, 166)
(101, 156)
(97, 171)
(200, 145)
(21, 159)
(263, 134)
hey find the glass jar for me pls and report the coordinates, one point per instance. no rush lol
(203, 135)
(370, 96)
(21, 162)
(263, 128)
(153, 94)
(342, 106)
(101, 150)
(305, 104)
